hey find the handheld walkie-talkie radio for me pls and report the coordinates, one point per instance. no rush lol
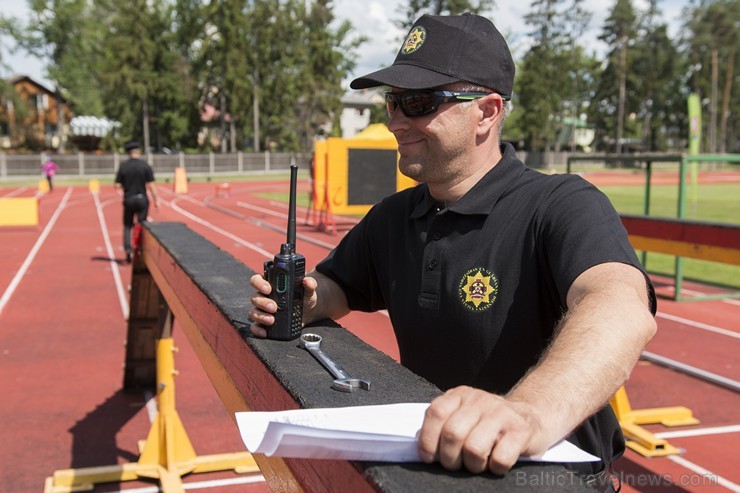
(285, 274)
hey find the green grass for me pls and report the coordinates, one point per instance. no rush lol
(301, 198)
(714, 203)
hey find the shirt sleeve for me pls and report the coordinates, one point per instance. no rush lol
(581, 229)
(351, 266)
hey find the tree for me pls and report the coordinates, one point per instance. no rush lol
(620, 31)
(713, 48)
(327, 63)
(416, 8)
(142, 74)
(662, 95)
(68, 33)
(275, 67)
(554, 73)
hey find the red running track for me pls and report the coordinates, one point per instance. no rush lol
(63, 325)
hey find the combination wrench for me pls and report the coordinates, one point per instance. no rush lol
(342, 381)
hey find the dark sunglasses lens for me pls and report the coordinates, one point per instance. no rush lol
(391, 104)
(413, 103)
(417, 103)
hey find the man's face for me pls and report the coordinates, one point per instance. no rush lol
(433, 147)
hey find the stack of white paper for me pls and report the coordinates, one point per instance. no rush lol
(375, 433)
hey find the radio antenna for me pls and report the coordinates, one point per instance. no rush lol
(291, 209)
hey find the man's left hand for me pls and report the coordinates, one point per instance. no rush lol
(478, 430)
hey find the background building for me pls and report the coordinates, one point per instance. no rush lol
(32, 116)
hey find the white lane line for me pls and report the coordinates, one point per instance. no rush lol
(13, 193)
(229, 235)
(269, 212)
(198, 485)
(122, 297)
(32, 254)
(699, 432)
(220, 231)
(699, 325)
(149, 398)
(709, 476)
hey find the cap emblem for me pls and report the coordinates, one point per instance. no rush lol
(478, 289)
(414, 40)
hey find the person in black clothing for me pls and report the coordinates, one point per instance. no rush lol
(515, 292)
(135, 178)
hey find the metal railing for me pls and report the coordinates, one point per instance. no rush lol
(105, 165)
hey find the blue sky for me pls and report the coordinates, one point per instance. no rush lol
(373, 19)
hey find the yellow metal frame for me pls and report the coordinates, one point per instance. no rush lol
(19, 211)
(638, 438)
(337, 176)
(167, 453)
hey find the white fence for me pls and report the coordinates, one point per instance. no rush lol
(103, 165)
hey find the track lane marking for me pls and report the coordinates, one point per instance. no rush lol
(226, 233)
(122, 297)
(197, 485)
(699, 325)
(34, 250)
(215, 228)
(14, 192)
(699, 432)
(726, 483)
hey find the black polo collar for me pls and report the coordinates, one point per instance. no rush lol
(495, 183)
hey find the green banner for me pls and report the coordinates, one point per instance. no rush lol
(694, 124)
(694, 144)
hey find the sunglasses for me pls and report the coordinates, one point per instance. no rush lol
(424, 102)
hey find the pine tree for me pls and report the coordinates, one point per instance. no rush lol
(611, 103)
(414, 9)
(143, 74)
(553, 74)
(714, 49)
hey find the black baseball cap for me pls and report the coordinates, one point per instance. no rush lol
(131, 145)
(440, 50)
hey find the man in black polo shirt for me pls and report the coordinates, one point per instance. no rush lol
(516, 292)
(135, 177)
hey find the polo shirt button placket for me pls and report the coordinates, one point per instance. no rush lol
(432, 265)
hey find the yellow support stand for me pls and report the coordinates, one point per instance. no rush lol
(19, 211)
(167, 453)
(43, 186)
(94, 185)
(181, 180)
(638, 438)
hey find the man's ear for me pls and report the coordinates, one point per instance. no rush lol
(492, 109)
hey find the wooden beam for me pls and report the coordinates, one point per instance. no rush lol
(717, 242)
(208, 291)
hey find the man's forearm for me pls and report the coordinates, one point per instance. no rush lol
(591, 356)
(330, 301)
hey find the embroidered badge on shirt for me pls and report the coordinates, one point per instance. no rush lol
(414, 40)
(478, 289)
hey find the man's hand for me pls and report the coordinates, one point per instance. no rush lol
(478, 430)
(264, 308)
